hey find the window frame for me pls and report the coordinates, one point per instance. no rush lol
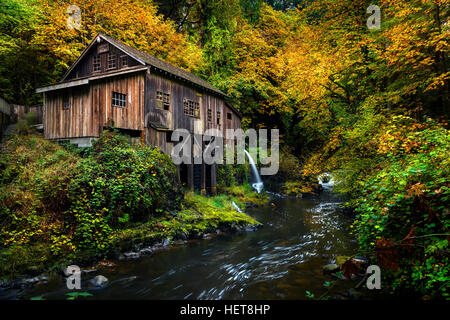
(166, 101)
(219, 118)
(122, 58)
(162, 100)
(97, 56)
(209, 115)
(117, 97)
(109, 61)
(191, 108)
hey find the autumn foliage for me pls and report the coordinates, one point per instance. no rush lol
(370, 107)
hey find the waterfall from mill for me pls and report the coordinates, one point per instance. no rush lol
(258, 185)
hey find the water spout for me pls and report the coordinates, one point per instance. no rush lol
(258, 185)
(236, 207)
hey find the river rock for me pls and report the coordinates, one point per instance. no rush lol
(32, 281)
(131, 255)
(250, 228)
(99, 281)
(146, 251)
(330, 268)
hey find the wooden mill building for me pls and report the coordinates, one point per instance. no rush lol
(114, 85)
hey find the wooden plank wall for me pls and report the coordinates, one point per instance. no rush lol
(130, 117)
(76, 121)
(84, 67)
(91, 108)
(175, 117)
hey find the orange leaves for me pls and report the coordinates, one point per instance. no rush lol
(401, 136)
(350, 267)
(134, 22)
(387, 251)
(416, 190)
(409, 238)
(386, 254)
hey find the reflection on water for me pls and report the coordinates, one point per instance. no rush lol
(280, 261)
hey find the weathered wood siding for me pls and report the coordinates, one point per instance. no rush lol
(91, 108)
(175, 118)
(130, 117)
(85, 68)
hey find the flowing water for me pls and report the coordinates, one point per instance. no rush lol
(280, 261)
(258, 185)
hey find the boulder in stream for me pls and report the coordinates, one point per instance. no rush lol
(99, 281)
(330, 268)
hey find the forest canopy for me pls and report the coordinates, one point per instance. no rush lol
(370, 106)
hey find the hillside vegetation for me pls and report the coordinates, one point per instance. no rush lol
(59, 204)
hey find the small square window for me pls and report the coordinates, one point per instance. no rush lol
(228, 115)
(96, 63)
(119, 100)
(111, 61)
(191, 108)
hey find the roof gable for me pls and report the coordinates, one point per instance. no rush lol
(146, 59)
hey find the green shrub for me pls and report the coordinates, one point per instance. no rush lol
(50, 194)
(403, 213)
(230, 175)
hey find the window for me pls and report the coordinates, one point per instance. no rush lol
(119, 100)
(124, 61)
(219, 118)
(191, 108)
(209, 115)
(228, 115)
(96, 64)
(166, 101)
(111, 61)
(162, 100)
(66, 101)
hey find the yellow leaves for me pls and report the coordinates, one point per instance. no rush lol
(134, 22)
(438, 82)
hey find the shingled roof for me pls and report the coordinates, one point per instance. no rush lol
(144, 59)
(162, 65)
(151, 61)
